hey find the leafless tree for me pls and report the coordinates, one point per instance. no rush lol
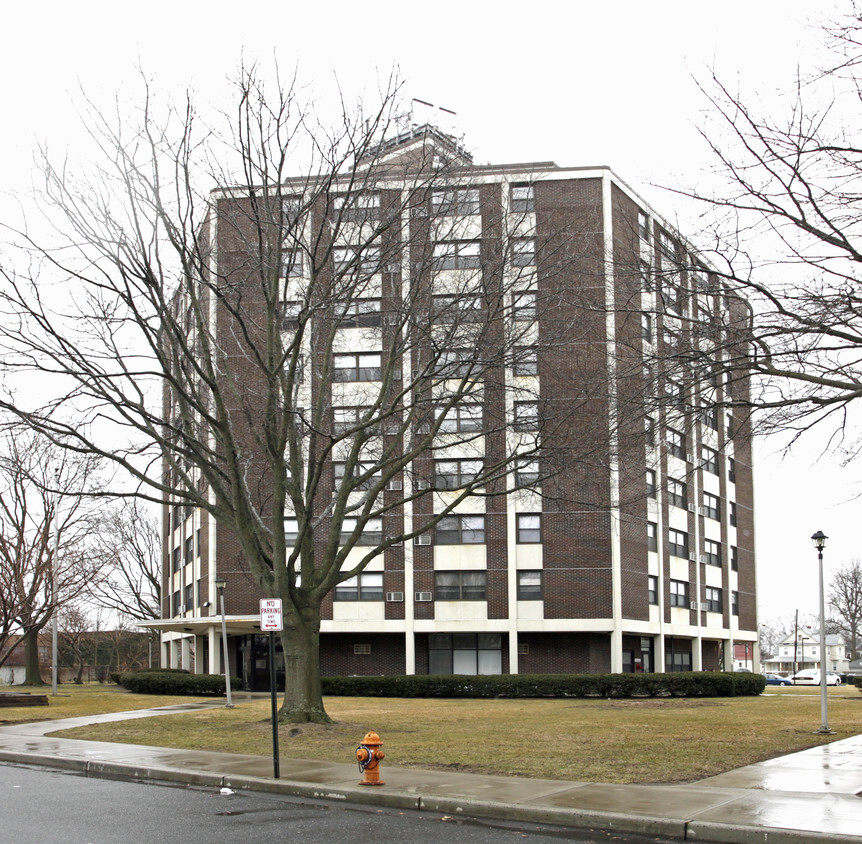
(33, 584)
(203, 324)
(129, 547)
(72, 639)
(845, 600)
(784, 232)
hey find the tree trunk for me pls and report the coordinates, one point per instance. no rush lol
(303, 699)
(33, 676)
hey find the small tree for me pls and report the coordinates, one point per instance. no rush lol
(33, 473)
(845, 600)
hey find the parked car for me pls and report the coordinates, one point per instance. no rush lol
(811, 677)
(777, 680)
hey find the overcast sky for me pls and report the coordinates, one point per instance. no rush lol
(537, 81)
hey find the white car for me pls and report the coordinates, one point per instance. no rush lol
(811, 677)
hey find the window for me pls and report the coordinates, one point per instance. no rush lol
(676, 443)
(198, 543)
(290, 207)
(646, 277)
(460, 530)
(460, 585)
(176, 602)
(457, 255)
(678, 543)
(650, 483)
(346, 418)
(526, 416)
(730, 426)
(455, 363)
(526, 361)
(290, 313)
(524, 306)
(671, 297)
(456, 474)
(676, 660)
(291, 263)
(352, 259)
(526, 473)
(177, 559)
(465, 653)
(649, 427)
(523, 252)
(652, 536)
(291, 531)
(372, 532)
(358, 366)
(713, 599)
(528, 529)
(462, 418)
(712, 552)
(456, 309)
(360, 313)
(675, 392)
(709, 457)
(646, 327)
(734, 558)
(369, 473)
(677, 493)
(652, 588)
(731, 470)
(710, 417)
(678, 593)
(357, 207)
(367, 586)
(643, 225)
(711, 506)
(734, 603)
(189, 597)
(189, 549)
(733, 513)
(671, 342)
(667, 246)
(522, 199)
(455, 201)
(529, 586)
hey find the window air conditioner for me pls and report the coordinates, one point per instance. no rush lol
(390, 430)
(693, 605)
(396, 542)
(703, 558)
(421, 484)
(182, 608)
(423, 429)
(689, 458)
(423, 597)
(394, 486)
(691, 508)
(422, 539)
(395, 597)
(693, 557)
(704, 607)
(701, 511)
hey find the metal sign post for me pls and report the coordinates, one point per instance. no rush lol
(271, 621)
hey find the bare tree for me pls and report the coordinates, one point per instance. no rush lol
(845, 600)
(129, 546)
(33, 472)
(73, 639)
(205, 323)
(785, 234)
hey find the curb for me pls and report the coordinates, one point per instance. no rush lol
(573, 818)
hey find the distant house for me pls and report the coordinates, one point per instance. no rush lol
(806, 653)
(12, 670)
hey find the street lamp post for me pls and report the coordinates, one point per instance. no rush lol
(819, 539)
(220, 584)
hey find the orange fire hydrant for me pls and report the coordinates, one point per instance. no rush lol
(369, 754)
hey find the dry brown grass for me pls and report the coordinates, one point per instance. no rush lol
(656, 740)
(73, 701)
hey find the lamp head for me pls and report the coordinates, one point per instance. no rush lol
(220, 583)
(819, 539)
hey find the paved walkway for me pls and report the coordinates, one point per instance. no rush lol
(804, 797)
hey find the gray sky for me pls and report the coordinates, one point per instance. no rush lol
(538, 81)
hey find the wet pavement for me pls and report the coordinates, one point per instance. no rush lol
(804, 797)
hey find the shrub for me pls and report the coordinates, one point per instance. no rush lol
(684, 684)
(157, 681)
(116, 675)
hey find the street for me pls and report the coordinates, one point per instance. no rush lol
(41, 806)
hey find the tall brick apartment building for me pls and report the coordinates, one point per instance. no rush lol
(621, 539)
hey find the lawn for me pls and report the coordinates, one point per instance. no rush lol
(642, 740)
(89, 699)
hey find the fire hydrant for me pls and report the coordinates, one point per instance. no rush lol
(369, 754)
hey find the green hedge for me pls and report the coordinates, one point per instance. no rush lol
(678, 684)
(167, 682)
(116, 675)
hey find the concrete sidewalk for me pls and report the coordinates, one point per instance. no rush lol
(805, 797)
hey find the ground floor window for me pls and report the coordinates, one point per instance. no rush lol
(465, 653)
(677, 655)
